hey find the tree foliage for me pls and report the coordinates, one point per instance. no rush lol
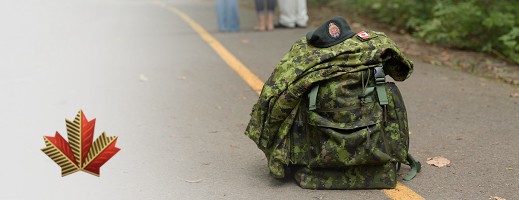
(480, 25)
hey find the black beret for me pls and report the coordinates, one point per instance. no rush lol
(332, 32)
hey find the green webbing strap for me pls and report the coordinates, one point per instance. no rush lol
(312, 97)
(382, 96)
(367, 98)
(380, 81)
(415, 168)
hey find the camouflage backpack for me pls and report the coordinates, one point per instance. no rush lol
(350, 133)
(328, 115)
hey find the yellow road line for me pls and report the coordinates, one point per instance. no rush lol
(401, 192)
(252, 80)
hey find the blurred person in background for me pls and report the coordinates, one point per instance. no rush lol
(227, 14)
(265, 13)
(293, 13)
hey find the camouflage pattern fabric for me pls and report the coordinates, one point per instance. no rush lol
(355, 177)
(345, 132)
(346, 143)
(304, 65)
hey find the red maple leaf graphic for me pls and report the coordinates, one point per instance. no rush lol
(79, 153)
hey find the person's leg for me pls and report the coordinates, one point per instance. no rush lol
(287, 10)
(271, 5)
(233, 16)
(260, 13)
(220, 13)
(260, 6)
(302, 15)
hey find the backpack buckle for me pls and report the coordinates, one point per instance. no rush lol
(380, 76)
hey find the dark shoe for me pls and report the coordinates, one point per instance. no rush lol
(279, 25)
(299, 26)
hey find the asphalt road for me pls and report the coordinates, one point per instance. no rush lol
(179, 111)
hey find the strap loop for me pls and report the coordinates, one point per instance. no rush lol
(312, 97)
(415, 168)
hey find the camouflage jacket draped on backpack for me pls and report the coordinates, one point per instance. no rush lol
(273, 115)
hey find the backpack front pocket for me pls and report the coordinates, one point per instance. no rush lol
(346, 137)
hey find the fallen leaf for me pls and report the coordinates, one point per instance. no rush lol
(143, 78)
(194, 181)
(438, 161)
(496, 198)
(182, 78)
(514, 94)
